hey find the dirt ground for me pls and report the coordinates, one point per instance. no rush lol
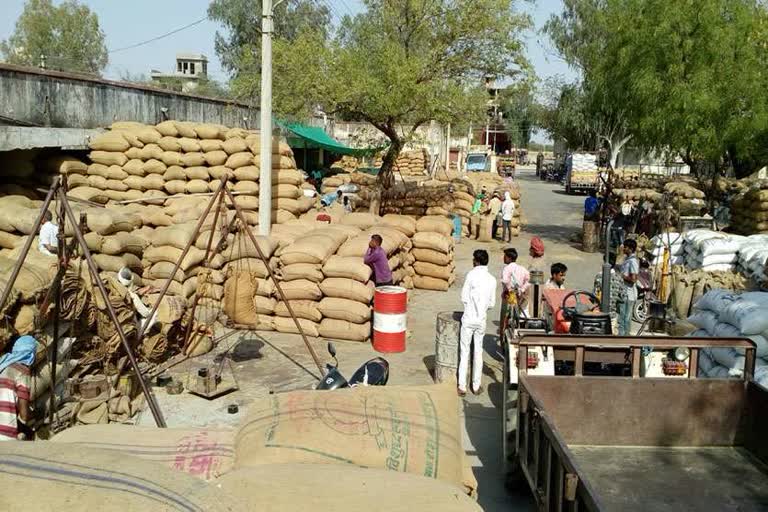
(273, 362)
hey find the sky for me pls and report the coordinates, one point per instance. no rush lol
(128, 23)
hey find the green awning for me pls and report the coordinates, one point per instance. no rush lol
(310, 137)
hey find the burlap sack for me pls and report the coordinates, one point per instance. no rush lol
(162, 270)
(247, 173)
(171, 254)
(347, 289)
(172, 158)
(239, 298)
(430, 256)
(234, 145)
(433, 241)
(175, 186)
(196, 187)
(88, 479)
(348, 268)
(301, 308)
(77, 180)
(97, 170)
(246, 187)
(167, 128)
(116, 263)
(236, 132)
(288, 325)
(435, 224)
(284, 191)
(169, 144)
(214, 158)
(278, 147)
(147, 135)
(176, 172)
(207, 145)
(189, 145)
(116, 186)
(64, 164)
(97, 182)
(151, 151)
(115, 172)
(109, 141)
(423, 268)
(205, 453)
(414, 429)
(197, 172)
(283, 162)
(309, 271)
(209, 131)
(186, 129)
(9, 240)
(287, 177)
(247, 202)
(301, 289)
(405, 225)
(343, 330)
(254, 265)
(154, 166)
(134, 167)
(108, 158)
(430, 283)
(315, 247)
(237, 160)
(345, 309)
(123, 242)
(153, 182)
(193, 160)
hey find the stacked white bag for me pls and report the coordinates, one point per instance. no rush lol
(711, 251)
(725, 314)
(672, 241)
(753, 256)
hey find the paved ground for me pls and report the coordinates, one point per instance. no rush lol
(264, 362)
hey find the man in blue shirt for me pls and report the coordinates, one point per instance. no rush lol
(591, 206)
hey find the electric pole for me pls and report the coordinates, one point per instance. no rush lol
(265, 158)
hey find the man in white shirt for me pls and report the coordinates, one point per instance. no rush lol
(49, 232)
(507, 213)
(478, 296)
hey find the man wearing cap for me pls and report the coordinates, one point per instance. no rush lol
(376, 258)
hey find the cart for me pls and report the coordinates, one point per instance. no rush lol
(633, 443)
(506, 166)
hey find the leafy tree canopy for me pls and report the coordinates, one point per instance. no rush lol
(67, 37)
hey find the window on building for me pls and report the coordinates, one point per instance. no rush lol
(178, 65)
(205, 68)
(186, 67)
(192, 68)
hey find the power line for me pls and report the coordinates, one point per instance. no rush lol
(159, 37)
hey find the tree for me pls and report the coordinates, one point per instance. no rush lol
(564, 115)
(400, 64)
(680, 76)
(242, 20)
(521, 112)
(67, 37)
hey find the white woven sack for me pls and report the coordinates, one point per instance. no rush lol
(749, 313)
(716, 300)
(705, 320)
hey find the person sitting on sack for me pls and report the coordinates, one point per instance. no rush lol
(15, 388)
(376, 258)
(49, 236)
(478, 296)
(557, 277)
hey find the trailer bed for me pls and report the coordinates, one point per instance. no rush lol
(665, 478)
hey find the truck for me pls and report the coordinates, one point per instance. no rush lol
(581, 172)
(481, 159)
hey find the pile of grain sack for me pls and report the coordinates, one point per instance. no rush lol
(433, 254)
(725, 314)
(749, 211)
(409, 163)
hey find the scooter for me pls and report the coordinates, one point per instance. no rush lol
(373, 373)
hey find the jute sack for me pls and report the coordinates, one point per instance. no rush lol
(283, 162)
(134, 167)
(148, 152)
(169, 144)
(172, 158)
(97, 182)
(361, 220)
(154, 166)
(234, 145)
(175, 186)
(347, 267)
(405, 225)
(167, 128)
(431, 270)
(193, 160)
(238, 160)
(215, 158)
(109, 141)
(254, 265)
(171, 254)
(162, 270)
(433, 241)
(347, 289)
(430, 256)
(207, 145)
(176, 236)
(284, 191)
(343, 330)
(247, 173)
(411, 429)
(196, 187)
(123, 242)
(361, 489)
(301, 289)
(108, 158)
(205, 453)
(309, 271)
(210, 131)
(247, 202)
(287, 177)
(435, 224)
(282, 216)
(189, 145)
(246, 187)
(239, 294)
(287, 325)
(430, 283)
(88, 479)
(345, 309)
(301, 308)
(242, 247)
(315, 247)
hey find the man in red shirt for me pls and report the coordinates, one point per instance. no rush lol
(376, 258)
(15, 386)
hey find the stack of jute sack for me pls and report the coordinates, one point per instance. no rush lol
(689, 285)
(417, 200)
(346, 163)
(711, 250)
(684, 197)
(348, 182)
(250, 461)
(468, 188)
(749, 211)
(409, 163)
(433, 254)
(725, 314)
(134, 161)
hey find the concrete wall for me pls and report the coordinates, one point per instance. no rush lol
(36, 97)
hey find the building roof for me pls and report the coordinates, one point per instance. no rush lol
(191, 56)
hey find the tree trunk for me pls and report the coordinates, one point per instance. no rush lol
(616, 147)
(387, 171)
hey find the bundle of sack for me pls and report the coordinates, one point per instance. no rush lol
(349, 183)
(727, 314)
(749, 210)
(753, 256)
(689, 285)
(711, 250)
(299, 436)
(433, 254)
(669, 241)
(409, 163)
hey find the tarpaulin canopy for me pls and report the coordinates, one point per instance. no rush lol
(310, 137)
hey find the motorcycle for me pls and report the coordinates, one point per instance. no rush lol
(645, 293)
(373, 373)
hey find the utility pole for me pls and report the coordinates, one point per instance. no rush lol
(265, 159)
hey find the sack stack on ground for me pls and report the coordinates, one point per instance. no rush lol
(723, 313)
(749, 211)
(686, 199)
(711, 250)
(753, 256)
(689, 285)
(669, 241)
(433, 254)
(408, 163)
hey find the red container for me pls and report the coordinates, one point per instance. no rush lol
(390, 306)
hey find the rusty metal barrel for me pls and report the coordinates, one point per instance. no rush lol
(447, 345)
